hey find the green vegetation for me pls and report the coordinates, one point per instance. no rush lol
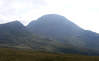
(9, 54)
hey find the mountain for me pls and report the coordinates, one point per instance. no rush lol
(57, 27)
(49, 33)
(15, 35)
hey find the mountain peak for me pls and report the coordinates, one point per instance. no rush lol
(14, 22)
(52, 15)
(53, 18)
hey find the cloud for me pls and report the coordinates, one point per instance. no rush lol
(17, 8)
(83, 12)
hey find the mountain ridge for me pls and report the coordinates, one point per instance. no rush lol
(52, 32)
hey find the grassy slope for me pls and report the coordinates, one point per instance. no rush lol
(8, 54)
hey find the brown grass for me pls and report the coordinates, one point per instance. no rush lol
(7, 54)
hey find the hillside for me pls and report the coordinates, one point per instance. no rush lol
(8, 54)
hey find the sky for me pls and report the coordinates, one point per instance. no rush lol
(84, 13)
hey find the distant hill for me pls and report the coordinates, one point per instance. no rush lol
(49, 33)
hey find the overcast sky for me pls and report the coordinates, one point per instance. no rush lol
(84, 13)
